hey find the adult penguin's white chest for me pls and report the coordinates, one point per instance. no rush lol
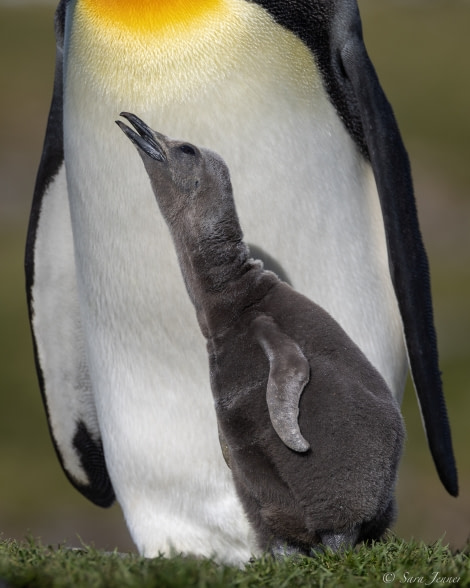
(221, 74)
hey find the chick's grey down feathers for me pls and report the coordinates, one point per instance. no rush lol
(272, 351)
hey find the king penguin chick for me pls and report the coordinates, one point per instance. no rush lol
(272, 351)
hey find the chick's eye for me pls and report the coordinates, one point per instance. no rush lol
(188, 149)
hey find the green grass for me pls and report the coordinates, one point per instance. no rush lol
(391, 563)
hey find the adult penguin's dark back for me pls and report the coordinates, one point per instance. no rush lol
(285, 92)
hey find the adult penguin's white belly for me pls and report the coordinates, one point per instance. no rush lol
(227, 77)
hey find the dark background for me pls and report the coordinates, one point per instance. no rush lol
(421, 51)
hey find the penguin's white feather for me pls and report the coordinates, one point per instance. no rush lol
(57, 322)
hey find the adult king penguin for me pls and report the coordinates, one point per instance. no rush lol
(121, 362)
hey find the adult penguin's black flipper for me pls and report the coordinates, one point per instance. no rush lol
(54, 314)
(407, 257)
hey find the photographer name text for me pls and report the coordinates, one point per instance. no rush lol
(432, 579)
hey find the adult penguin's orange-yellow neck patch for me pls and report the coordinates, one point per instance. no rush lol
(147, 16)
(146, 52)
